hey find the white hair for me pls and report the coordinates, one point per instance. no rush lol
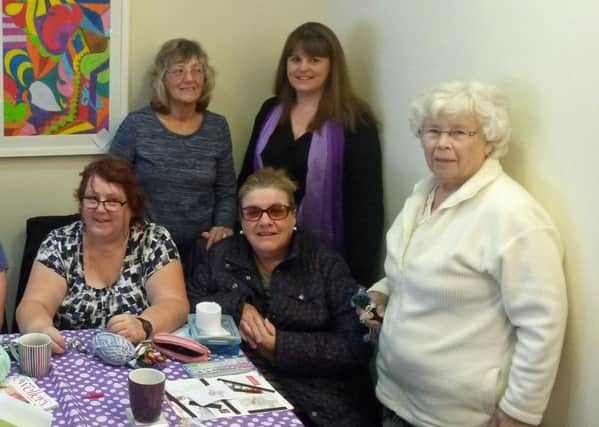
(458, 98)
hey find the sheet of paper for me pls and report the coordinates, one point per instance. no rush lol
(102, 139)
(227, 396)
(268, 400)
(200, 393)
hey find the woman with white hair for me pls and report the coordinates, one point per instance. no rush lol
(474, 299)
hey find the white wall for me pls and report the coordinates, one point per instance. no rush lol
(544, 55)
(243, 40)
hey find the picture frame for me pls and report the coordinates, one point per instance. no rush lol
(60, 144)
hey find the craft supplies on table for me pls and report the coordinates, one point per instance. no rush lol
(77, 375)
(208, 318)
(112, 348)
(219, 367)
(26, 389)
(227, 343)
(225, 396)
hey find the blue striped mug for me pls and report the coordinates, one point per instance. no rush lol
(33, 353)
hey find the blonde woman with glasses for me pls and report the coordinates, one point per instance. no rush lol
(180, 150)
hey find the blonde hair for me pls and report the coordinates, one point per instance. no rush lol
(269, 178)
(173, 52)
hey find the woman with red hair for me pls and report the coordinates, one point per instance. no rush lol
(111, 269)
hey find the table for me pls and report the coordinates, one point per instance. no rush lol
(75, 374)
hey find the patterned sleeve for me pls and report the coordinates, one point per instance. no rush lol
(3, 262)
(50, 253)
(159, 249)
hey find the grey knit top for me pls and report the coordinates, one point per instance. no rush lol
(188, 180)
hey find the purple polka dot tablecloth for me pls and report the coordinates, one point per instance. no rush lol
(76, 374)
(270, 419)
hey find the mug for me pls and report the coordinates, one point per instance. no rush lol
(208, 318)
(146, 392)
(33, 353)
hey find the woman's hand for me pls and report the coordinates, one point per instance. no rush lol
(257, 331)
(380, 301)
(501, 419)
(216, 234)
(249, 323)
(127, 326)
(44, 293)
(267, 340)
(58, 342)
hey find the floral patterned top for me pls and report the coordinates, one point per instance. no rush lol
(150, 248)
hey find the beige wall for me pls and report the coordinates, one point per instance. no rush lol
(544, 55)
(243, 40)
(32, 186)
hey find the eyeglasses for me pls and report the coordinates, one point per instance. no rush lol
(178, 72)
(89, 202)
(433, 134)
(275, 212)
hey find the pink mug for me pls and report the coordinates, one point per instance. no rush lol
(33, 353)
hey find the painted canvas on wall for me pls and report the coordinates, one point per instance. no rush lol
(59, 69)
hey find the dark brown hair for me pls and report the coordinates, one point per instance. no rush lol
(115, 171)
(338, 101)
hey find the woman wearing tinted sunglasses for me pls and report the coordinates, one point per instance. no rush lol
(290, 296)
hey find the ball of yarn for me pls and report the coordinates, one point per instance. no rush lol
(4, 364)
(113, 349)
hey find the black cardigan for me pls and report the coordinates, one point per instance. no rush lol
(362, 190)
(320, 356)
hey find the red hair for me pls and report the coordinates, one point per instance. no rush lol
(115, 171)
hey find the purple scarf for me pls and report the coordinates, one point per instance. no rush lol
(321, 210)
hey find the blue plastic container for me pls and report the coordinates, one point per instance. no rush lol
(226, 345)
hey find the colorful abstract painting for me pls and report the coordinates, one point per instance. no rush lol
(56, 75)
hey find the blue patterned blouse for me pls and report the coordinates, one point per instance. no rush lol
(150, 248)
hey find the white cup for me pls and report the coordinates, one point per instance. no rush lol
(208, 318)
(33, 352)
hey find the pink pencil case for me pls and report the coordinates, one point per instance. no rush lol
(179, 348)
